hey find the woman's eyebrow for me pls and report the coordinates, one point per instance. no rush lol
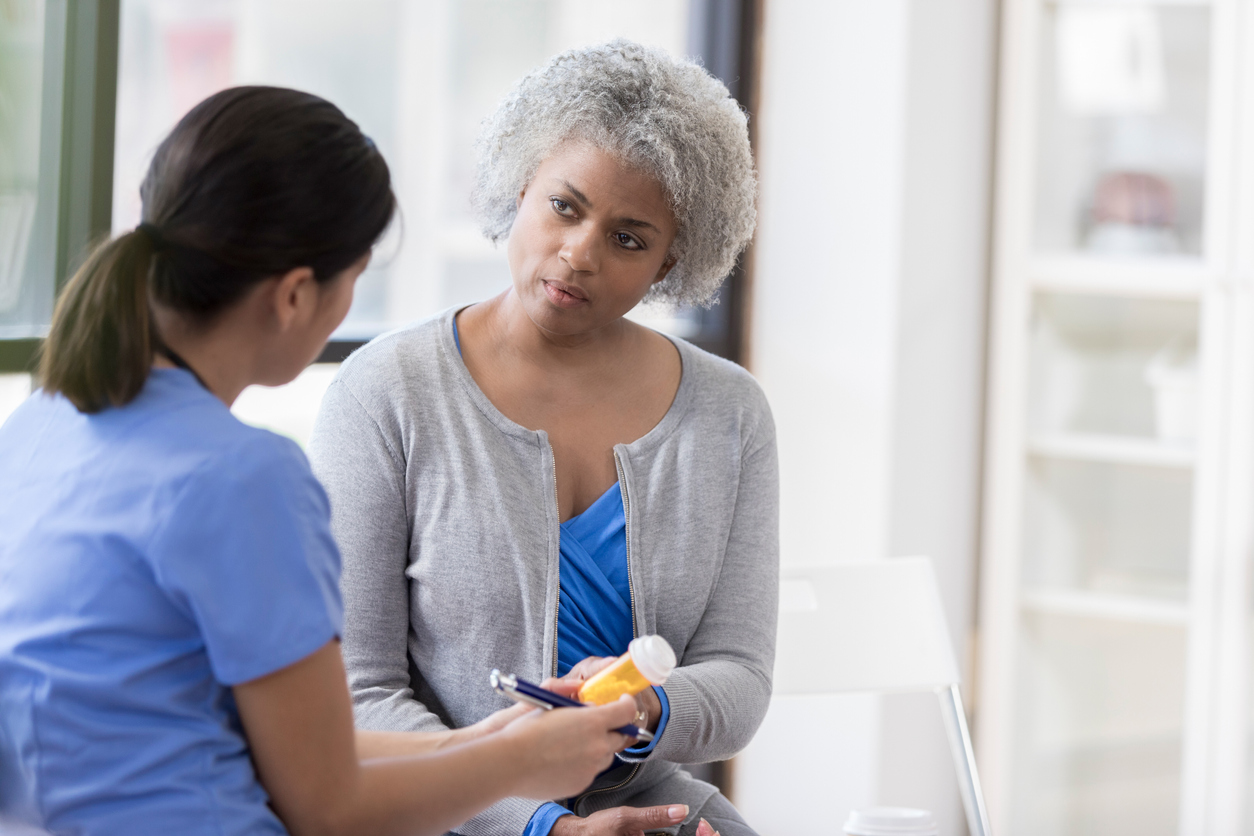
(639, 223)
(579, 196)
(582, 198)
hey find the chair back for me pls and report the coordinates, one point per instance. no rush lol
(867, 625)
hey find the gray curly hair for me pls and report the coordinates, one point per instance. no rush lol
(669, 117)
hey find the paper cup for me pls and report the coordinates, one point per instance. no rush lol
(891, 821)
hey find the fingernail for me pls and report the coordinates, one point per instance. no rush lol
(678, 812)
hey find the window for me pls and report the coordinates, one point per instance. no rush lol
(58, 64)
(417, 76)
(25, 301)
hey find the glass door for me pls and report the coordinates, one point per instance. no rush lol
(1107, 530)
(1114, 265)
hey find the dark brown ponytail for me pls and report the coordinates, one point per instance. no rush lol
(99, 349)
(251, 183)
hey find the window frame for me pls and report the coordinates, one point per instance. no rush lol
(77, 112)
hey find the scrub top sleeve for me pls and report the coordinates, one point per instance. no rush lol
(247, 552)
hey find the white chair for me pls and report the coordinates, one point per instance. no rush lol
(875, 626)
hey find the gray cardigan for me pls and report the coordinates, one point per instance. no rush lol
(447, 516)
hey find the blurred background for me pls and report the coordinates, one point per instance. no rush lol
(1000, 299)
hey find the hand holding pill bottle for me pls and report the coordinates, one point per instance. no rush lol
(649, 660)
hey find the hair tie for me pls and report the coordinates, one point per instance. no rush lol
(154, 236)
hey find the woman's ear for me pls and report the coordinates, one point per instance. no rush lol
(295, 297)
(665, 269)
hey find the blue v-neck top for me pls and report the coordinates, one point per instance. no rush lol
(594, 610)
(594, 605)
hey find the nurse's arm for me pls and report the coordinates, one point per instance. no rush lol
(299, 725)
(377, 744)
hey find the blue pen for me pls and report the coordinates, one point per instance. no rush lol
(520, 690)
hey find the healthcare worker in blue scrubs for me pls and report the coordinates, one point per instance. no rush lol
(169, 587)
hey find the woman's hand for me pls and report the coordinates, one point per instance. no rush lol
(621, 821)
(588, 668)
(704, 828)
(646, 701)
(563, 750)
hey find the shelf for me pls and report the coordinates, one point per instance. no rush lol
(1168, 277)
(1140, 3)
(1105, 606)
(1114, 449)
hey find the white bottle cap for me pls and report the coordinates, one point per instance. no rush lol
(653, 657)
(891, 821)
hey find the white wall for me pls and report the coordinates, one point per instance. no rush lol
(867, 332)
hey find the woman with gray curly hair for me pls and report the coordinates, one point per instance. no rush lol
(530, 482)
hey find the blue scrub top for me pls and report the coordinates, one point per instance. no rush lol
(151, 556)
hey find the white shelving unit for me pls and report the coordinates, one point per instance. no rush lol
(1115, 603)
(1114, 449)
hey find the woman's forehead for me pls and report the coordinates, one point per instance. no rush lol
(603, 179)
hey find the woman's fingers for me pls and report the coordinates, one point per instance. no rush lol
(629, 821)
(589, 667)
(704, 828)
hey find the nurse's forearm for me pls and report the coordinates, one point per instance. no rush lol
(299, 723)
(373, 744)
(376, 744)
(399, 795)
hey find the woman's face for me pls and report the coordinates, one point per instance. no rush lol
(591, 237)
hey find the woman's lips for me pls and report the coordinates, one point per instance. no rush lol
(564, 295)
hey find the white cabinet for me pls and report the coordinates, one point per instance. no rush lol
(1115, 603)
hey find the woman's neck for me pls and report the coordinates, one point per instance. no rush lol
(219, 356)
(505, 325)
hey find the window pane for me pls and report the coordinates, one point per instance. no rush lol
(25, 297)
(14, 388)
(417, 76)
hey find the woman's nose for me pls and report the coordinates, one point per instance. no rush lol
(580, 249)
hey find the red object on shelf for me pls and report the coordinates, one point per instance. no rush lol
(1134, 198)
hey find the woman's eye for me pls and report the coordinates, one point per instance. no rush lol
(627, 241)
(560, 206)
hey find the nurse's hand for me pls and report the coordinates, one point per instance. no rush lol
(500, 719)
(646, 701)
(558, 753)
(492, 723)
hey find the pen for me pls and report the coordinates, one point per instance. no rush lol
(520, 690)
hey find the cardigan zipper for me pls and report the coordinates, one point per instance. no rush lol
(631, 594)
(557, 601)
(631, 583)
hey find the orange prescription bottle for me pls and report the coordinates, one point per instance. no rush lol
(649, 660)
